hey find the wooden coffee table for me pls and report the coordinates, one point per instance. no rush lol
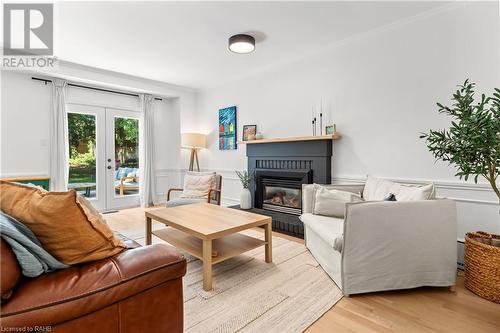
(209, 232)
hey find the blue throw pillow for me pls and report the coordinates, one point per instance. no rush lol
(32, 257)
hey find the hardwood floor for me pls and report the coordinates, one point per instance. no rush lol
(415, 310)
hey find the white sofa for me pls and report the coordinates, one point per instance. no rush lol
(384, 245)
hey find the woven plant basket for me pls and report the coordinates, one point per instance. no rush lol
(482, 265)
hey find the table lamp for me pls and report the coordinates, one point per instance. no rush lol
(193, 141)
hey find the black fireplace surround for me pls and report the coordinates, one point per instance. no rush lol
(280, 169)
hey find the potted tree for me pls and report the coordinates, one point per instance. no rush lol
(472, 146)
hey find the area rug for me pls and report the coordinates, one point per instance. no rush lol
(250, 295)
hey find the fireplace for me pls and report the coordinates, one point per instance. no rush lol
(281, 190)
(281, 168)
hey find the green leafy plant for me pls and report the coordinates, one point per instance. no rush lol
(83, 160)
(472, 143)
(245, 177)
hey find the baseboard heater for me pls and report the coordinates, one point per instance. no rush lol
(460, 254)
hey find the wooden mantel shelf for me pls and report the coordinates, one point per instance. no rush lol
(292, 139)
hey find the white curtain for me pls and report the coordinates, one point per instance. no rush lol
(59, 153)
(147, 187)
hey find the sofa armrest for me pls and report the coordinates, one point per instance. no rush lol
(394, 245)
(71, 293)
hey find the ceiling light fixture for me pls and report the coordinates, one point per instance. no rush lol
(241, 43)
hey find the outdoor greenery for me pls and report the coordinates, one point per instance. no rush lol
(81, 136)
(245, 177)
(82, 141)
(126, 141)
(472, 143)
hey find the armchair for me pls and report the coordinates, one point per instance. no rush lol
(214, 195)
(382, 245)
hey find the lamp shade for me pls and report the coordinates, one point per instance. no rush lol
(193, 140)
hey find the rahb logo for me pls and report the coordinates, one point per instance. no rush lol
(28, 29)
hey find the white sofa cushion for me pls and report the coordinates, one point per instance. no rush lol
(414, 192)
(329, 202)
(184, 201)
(197, 184)
(330, 229)
(377, 189)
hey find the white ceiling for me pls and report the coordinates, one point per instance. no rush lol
(186, 43)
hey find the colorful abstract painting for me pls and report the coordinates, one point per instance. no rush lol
(227, 128)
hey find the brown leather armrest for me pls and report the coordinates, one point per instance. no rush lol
(67, 294)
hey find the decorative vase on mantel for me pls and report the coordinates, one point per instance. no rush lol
(245, 196)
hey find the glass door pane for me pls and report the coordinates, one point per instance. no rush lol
(86, 136)
(126, 133)
(122, 158)
(82, 154)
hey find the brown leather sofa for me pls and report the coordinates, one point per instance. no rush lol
(137, 290)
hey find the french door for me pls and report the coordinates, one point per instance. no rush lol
(104, 155)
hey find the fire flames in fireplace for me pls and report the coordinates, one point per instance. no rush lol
(281, 190)
(281, 196)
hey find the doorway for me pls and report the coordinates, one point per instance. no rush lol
(104, 155)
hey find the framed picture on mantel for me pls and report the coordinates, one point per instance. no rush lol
(227, 128)
(249, 132)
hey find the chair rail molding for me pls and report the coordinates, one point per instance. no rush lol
(456, 190)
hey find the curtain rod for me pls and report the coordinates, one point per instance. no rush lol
(93, 88)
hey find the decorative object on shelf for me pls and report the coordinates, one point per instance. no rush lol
(241, 43)
(321, 124)
(259, 136)
(227, 128)
(195, 142)
(245, 196)
(330, 129)
(313, 121)
(482, 259)
(321, 118)
(249, 132)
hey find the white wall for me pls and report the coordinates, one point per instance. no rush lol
(25, 116)
(381, 89)
(24, 126)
